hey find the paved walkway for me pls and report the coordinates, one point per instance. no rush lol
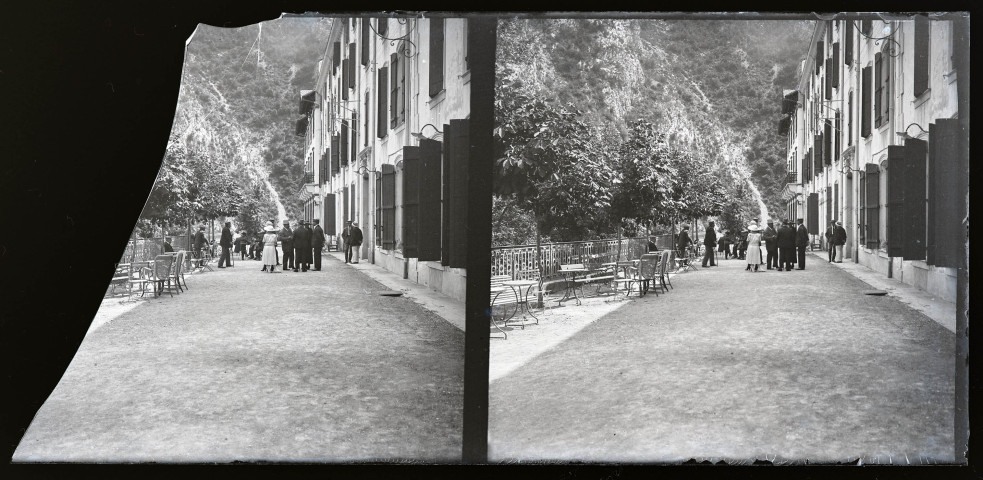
(732, 365)
(247, 365)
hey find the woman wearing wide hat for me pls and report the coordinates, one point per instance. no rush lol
(753, 253)
(269, 248)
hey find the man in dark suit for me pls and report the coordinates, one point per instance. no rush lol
(786, 246)
(302, 247)
(167, 245)
(770, 236)
(286, 238)
(839, 240)
(346, 235)
(355, 239)
(199, 244)
(801, 242)
(684, 242)
(709, 242)
(830, 251)
(226, 243)
(317, 243)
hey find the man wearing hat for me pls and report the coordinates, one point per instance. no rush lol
(839, 240)
(346, 235)
(317, 243)
(684, 241)
(302, 247)
(199, 244)
(770, 236)
(226, 243)
(830, 251)
(355, 240)
(786, 246)
(801, 242)
(286, 238)
(709, 242)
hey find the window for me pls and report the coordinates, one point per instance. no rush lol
(848, 43)
(365, 42)
(849, 120)
(862, 208)
(365, 127)
(882, 90)
(436, 56)
(382, 26)
(382, 125)
(397, 107)
(922, 34)
(865, 102)
(872, 205)
(820, 54)
(467, 39)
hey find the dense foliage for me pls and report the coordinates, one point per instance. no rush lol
(233, 152)
(672, 120)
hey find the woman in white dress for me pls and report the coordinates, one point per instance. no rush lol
(269, 248)
(753, 254)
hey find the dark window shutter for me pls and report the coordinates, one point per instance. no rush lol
(812, 212)
(353, 203)
(865, 102)
(848, 43)
(343, 148)
(828, 90)
(828, 143)
(394, 79)
(878, 89)
(915, 152)
(411, 201)
(849, 120)
(354, 141)
(352, 70)
(336, 55)
(807, 166)
(460, 153)
(862, 207)
(817, 155)
(344, 79)
(322, 169)
(467, 44)
(344, 206)
(838, 134)
(382, 26)
(365, 42)
(382, 123)
(445, 199)
(820, 56)
(335, 154)
(378, 209)
(895, 200)
(836, 201)
(388, 206)
(365, 122)
(865, 26)
(328, 215)
(430, 163)
(920, 77)
(873, 205)
(436, 56)
(834, 65)
(949, 181)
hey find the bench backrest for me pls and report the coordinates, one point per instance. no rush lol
(572, 266)
(649, 266)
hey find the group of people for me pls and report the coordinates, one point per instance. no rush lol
(785, 245)
(301, 246)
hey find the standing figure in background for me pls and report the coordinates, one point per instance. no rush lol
(302, 247)
(839, 240)
(346, 235)
(226, 243)
(753, 247)
(199, 244)
(723, 244)
(786, 246)
(830, 251)
(709, 241)
(269, 248)
(356, 241)
(770, 237)
(684, 242)
(317, 243)
(286, 239)
(801, 242)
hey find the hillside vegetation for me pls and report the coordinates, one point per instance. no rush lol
(711, 88)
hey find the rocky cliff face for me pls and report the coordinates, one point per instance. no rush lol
(238, 100)
(713, 86)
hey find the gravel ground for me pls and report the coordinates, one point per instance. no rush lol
(247, 365)
(736, 366)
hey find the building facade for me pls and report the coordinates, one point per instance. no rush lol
(873, 141)
(386, 129)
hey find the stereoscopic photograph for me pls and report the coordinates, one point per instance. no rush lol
(728, 240)
(293, 289)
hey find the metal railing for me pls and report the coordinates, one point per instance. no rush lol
(517, 258)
